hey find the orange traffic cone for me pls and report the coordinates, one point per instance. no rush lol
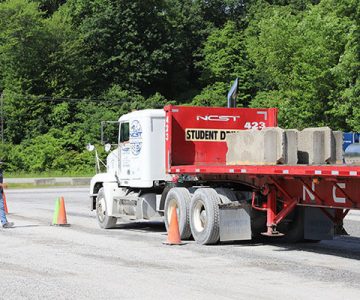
(173, 230)
(5, 205)
(61, 217)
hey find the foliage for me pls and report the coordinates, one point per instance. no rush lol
(225, 59)
(212, 95)
(296, 55)
(126, 42)
(68, 65)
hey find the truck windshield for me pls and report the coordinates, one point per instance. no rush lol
(124, 132)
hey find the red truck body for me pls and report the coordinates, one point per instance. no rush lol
(195, 145)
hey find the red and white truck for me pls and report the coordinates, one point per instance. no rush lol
(176, 157)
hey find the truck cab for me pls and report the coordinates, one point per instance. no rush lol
(136, 167)
(141, 149)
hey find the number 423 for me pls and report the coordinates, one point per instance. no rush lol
(254, 125)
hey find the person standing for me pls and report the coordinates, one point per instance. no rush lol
(4, 221)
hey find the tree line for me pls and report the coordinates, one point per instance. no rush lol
(66, 65)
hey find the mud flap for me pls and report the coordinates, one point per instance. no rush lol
(317, 226)
(235, 222)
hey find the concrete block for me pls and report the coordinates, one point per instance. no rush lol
(274, 145)
(236, 143)
(339, 153)
(329, 144)
(319, 145)
(291, 137)
(336, 146)
(257, 147)
(311, 147)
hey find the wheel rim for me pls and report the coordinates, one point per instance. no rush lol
(101, 209)
(172, 203)
(200, 216)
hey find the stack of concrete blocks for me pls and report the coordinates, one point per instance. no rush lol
(272, 146)
(321, 145)
(269, 146)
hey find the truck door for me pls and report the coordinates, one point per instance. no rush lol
(124, 151)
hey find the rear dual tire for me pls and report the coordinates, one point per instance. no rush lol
(198, 215)
(205, 216)
(178, 198)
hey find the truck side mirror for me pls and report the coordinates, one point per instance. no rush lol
(90, 147)
(107, 147)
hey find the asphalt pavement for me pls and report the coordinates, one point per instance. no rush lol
(39, 261)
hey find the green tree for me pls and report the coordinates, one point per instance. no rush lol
(126, 42)
(23, 47)
(40, 58)
(345, 98)
(190, 23)
(50, 6)
(295, 54)
(225, 58)
(67, 73)
(212, 95)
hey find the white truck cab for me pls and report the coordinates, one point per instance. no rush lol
(134, 170)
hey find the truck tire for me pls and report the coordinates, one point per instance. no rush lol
(205, 216)
(105, 221)
(180, 199)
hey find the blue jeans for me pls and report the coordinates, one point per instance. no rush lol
(2, 210)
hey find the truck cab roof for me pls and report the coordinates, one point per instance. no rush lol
(143, 113)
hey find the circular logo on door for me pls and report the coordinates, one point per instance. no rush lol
(135, 137)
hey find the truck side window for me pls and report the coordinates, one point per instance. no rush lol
(124, 132)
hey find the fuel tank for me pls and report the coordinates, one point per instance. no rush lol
(352, 154)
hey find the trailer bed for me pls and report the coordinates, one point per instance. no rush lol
(293, 170)
(328, 186)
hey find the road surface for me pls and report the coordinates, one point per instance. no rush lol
(38, 261)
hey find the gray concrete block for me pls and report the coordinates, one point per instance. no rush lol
(257, 147)
(339, 154)
(329, 144)
(236, 144)
(333, 146)
(319, 145)
(274, 145)
(311, 148)
(291, 136)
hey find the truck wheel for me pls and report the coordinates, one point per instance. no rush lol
(180, 199)
(105, 221)
(204, 216)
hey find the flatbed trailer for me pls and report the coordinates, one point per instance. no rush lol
(177, 158)
(332, 186)
(334, 189)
